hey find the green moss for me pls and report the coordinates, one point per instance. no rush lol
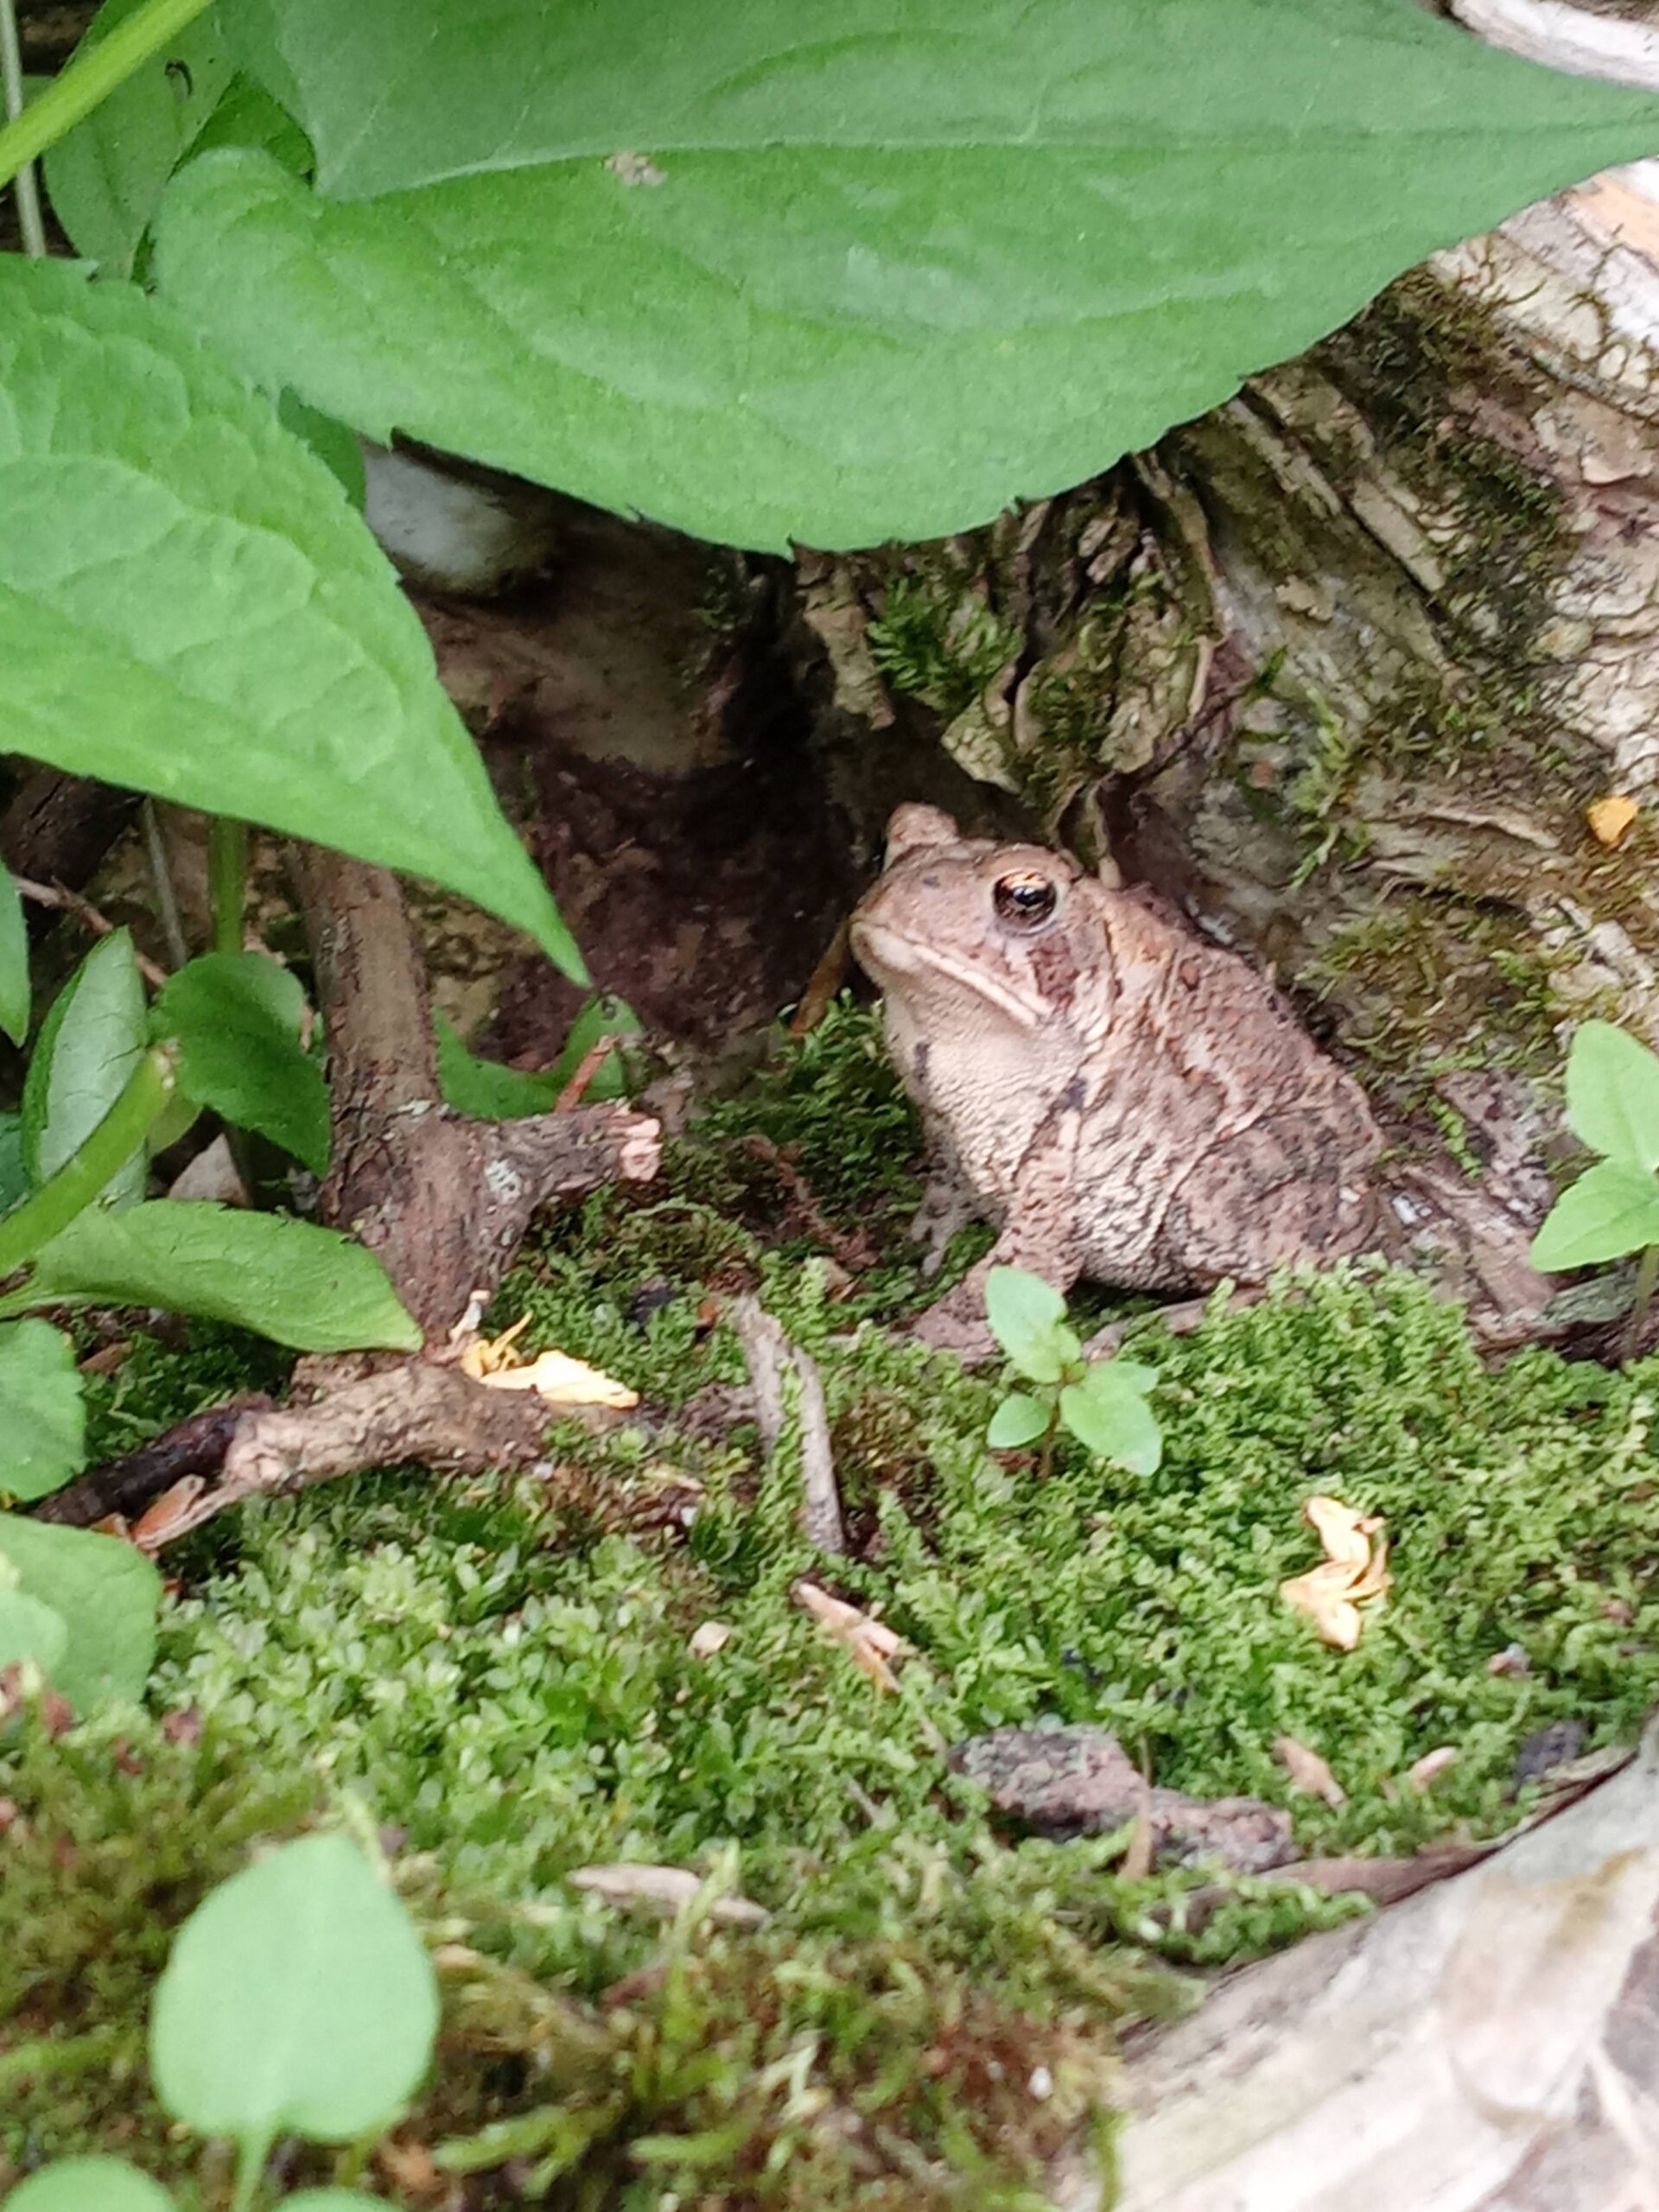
(940, 640)
(501, 1674)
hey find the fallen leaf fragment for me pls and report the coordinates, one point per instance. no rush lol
(1611, 818)
(554, 1376)
(666, 1891)
(1429, 1769)
(712, 1636)
(870, 1643)
(1355, 1567)
(1308, 1772)
(168, 1516)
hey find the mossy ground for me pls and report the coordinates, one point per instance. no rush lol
(497, 1678)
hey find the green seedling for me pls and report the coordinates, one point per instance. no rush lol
(1102, 1402)
(1613, 1211)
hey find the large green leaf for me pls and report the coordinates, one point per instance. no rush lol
(42, 1415)
(237, 1016)
(91, 1042)
(298, 1998)
(13, 961)
(106, 1593)
(1107, 1411)
(1608, 1211)
(189, 605)
(1612, 1095)
(107, 176)
(290, 1281)
(13, 1176)
(848, 275)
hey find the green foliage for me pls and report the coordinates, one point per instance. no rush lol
(211, 622)
(238, 1017)
(1612, 1103)
(1102, 1402)
(298, 1998)
(105, 178)
(309, 1287)
(14, 1176)
(90, 2185)
(42, 1418)
(105, 1593)
(14, 962)
(89, 1047)
(533, 220)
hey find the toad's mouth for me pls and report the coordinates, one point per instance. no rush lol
(892, 957)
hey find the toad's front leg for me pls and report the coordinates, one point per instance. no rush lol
(1038, 1234)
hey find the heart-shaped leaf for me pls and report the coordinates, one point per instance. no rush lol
(1608, 1211)
(1612, 1095)
(1107, 1411)
(300, 1285)
(298, 1998)
(238, 1016)
(1027, 1319)
(843, 276)
(107, 1594)
(43, 1413)
(189, 605)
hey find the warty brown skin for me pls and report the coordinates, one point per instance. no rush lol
(1124, 1100)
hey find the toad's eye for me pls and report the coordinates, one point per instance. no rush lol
(1026, 900)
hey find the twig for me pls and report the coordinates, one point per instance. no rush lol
(64, 901)
(853, 1249)
(825, 981)
(592, 1060)
(26, 183)
(161, 877)
(771, 1357)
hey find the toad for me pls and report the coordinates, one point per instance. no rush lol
(1122, 1098)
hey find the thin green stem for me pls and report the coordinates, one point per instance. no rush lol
(27, 185)
(1647, 1276)
(90, 78)
(99, 1159)
(252, 2154)
(227, 879)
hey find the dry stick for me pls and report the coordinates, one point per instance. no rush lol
(770, 1357)
(442, 1201)
(64, 901)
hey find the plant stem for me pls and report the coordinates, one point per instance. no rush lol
(90, 78)
(227, 879)
(1647, 1275)
(27, 186)
(102, 1157)
(253, 2151)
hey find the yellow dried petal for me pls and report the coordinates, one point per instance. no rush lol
(1611, 818)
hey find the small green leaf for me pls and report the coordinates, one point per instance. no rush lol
(90, 2185)
(14, 962)
(300, 1285)
(106, 1592)
(1018, 1420)
(1109, 1413)
(490, 1092)
(238, 1016)
(189, 606)
(91, 1042)
(1608, 1211)
(298, 1999)
(30, 1629)
(42, 1414)
(105, 177)
(1612, 1096)
(1027, 1319)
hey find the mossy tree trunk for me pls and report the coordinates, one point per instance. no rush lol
(1342, 666)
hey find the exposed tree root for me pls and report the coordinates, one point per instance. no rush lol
(442, 1201)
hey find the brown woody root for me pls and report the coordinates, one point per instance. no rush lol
(442, 1201)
